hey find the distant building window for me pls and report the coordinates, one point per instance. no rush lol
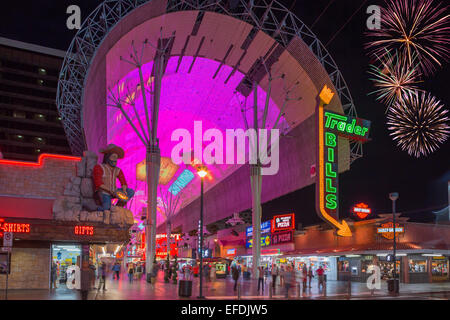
(20, 137)
(38, 150)
(40, 82)
(42, 71)
(18, 114)
(39, 117)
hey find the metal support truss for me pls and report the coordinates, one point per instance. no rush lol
(269, 16)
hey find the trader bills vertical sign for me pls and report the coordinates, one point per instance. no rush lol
(330, 126)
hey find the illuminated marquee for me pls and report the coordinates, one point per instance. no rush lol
(84, 230)
(330, 126)
(183, 180)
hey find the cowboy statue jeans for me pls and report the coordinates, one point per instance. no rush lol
(106, 199)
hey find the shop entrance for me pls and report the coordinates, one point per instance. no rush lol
(65, 262)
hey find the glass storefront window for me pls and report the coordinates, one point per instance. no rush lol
(417, 266)
(344, 266)
(439, 268)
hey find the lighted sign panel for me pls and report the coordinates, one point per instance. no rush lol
(330, 125)
(265, 228)
(182, 181)
(361, 210)
(283, 222)
(387, 230)
(84, 230)
(231, 252)
(265, 241)
(282, 237)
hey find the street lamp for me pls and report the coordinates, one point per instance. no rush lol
(202, 174)
(394, 196)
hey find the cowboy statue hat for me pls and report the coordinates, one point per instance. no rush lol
(112, 148)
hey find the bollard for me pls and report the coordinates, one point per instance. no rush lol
(239, 291)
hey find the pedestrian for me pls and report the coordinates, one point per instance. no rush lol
(54, 275)
(116, 270)
(304, 277)
(130, 272)
(213, 273)
(235, 275)
(320, 274)
(139, 271)
(310, 275)
(187, 273)
(92, 269)
(102, 276)
(289, 278)
(282, 272)
(261, 278)
(206, 272)
(274, 275)
(196, 270)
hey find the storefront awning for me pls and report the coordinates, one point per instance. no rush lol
(369, 248)
(31, 208)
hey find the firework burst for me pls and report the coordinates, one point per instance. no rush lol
(393, 78)
(418, 123)
(414, 27)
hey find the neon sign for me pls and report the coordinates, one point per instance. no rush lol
(183, 180)
(84, 230)
(387, 230)
(362, 210)
(283, 222)
(282, 237)
(14, 227)
(331, 125)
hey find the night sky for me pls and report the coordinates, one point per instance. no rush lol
(422, 183)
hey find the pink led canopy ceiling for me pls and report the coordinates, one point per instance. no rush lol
(185, 97)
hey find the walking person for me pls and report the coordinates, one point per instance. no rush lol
(130, 272)
(282, 272)
(304, 277)
(320, 274)
(116, 270)
(289, 278)
(261, 278)
(310, 275)
(139, 271)
(102, 276)
(212, 273)
(92, 269)
(235, 275)
(274, 275)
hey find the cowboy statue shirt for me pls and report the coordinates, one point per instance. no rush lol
(106, 175)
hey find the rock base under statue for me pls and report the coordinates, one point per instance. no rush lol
(77, 202)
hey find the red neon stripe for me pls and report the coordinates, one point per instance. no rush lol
(40, 160)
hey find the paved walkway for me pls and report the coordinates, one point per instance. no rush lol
(222, 289)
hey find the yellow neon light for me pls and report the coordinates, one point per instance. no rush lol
(343, 228)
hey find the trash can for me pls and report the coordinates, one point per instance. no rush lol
(390, 283)
(185, 288)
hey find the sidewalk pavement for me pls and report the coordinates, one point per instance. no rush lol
(222, 289)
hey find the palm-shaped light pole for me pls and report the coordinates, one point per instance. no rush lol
(260, 156)
(147, 134)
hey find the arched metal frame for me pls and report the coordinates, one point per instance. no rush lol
(269, 16)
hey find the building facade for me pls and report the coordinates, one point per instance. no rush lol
(29, 122)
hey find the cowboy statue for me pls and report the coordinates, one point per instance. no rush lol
(105, 176)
